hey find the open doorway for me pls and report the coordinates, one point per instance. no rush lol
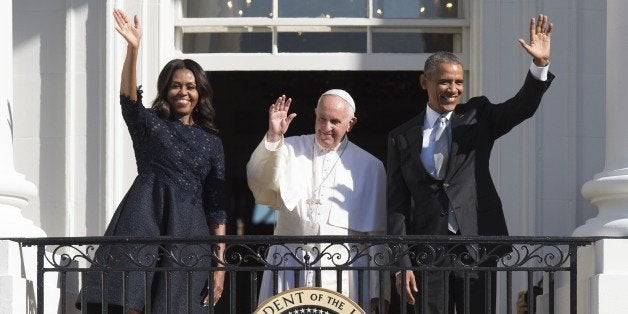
(384, 99)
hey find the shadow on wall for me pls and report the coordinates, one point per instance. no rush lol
(56, 140)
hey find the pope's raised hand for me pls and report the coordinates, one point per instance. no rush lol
(540, 40)
(131, 32)
(279, 119)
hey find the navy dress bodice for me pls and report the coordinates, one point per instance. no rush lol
(183, 161)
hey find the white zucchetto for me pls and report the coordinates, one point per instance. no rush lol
(342, 94)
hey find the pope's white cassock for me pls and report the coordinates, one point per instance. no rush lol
(317, 191)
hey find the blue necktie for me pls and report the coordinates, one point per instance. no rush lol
(441, 156)
(441, 147)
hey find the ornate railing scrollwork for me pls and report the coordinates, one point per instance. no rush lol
(270, 252)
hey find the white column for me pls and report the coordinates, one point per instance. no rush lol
(17, 265)
(15, 190)
(602, 267)
(608, 190)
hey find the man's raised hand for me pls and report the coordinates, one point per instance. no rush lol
(279, 119)
(540, 40)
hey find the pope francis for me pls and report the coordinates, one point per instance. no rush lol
(320, 184)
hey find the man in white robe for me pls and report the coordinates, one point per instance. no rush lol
(321, 184)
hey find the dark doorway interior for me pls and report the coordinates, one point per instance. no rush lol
(383, 100)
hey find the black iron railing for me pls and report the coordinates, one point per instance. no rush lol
(245, 258)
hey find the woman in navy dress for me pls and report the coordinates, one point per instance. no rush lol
(179, 190)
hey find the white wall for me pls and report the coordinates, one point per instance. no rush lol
(59, 87)
(540, 166)
(39, 95)
(70, 140)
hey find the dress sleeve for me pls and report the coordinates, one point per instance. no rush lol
(214, 188)
(136, 116)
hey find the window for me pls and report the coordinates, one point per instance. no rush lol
(319, 34)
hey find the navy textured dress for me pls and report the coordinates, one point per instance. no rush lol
(179, 192)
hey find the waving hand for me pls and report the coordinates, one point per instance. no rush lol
(279, 119)
(540, 40)
(131, 32)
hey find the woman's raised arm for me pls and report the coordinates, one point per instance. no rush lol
(132, 33)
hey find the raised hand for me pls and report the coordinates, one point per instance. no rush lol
(279, 119)
(540, 40)
(132, 33)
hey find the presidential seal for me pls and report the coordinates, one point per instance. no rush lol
(309, 300)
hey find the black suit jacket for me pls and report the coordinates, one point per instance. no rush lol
(418, 203)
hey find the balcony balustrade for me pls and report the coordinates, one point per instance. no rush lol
(246, 258)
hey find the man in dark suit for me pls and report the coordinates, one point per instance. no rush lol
(438, 170)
